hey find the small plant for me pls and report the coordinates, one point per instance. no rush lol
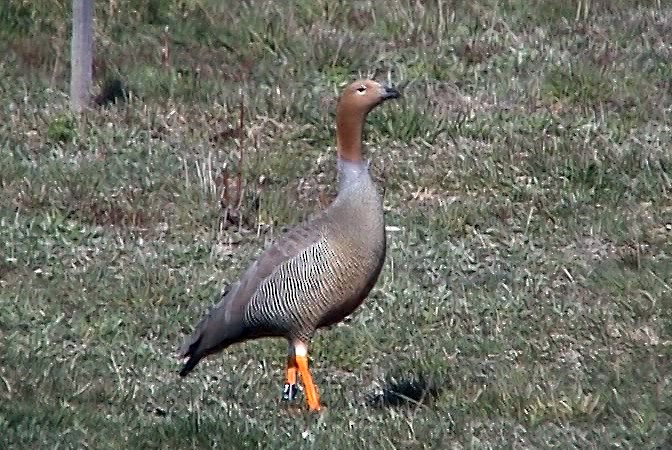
(62, 129)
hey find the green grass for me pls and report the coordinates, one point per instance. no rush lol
(525, 302)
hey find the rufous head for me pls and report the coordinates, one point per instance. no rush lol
(364, 95)
(356, 101)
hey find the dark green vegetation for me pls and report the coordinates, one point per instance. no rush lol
(526, 301)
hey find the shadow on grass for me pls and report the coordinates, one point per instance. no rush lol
(408, 390)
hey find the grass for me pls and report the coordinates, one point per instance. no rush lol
(525, 302)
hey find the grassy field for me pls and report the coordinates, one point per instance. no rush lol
(526, 301)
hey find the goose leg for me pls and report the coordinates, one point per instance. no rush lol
(312, 398)
(301, 358)
(291, 388)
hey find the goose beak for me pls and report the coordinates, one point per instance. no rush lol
(390, 92)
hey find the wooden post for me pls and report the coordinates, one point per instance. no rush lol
(81, 57)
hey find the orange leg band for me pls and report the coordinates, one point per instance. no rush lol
(290, 389)
(310, 390)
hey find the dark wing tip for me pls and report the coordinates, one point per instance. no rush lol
(189, 366)
(189, 349)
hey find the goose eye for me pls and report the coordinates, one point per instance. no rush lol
(361, 90)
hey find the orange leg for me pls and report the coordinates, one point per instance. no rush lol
(290, 373)
(290, 388)
(312, 397)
